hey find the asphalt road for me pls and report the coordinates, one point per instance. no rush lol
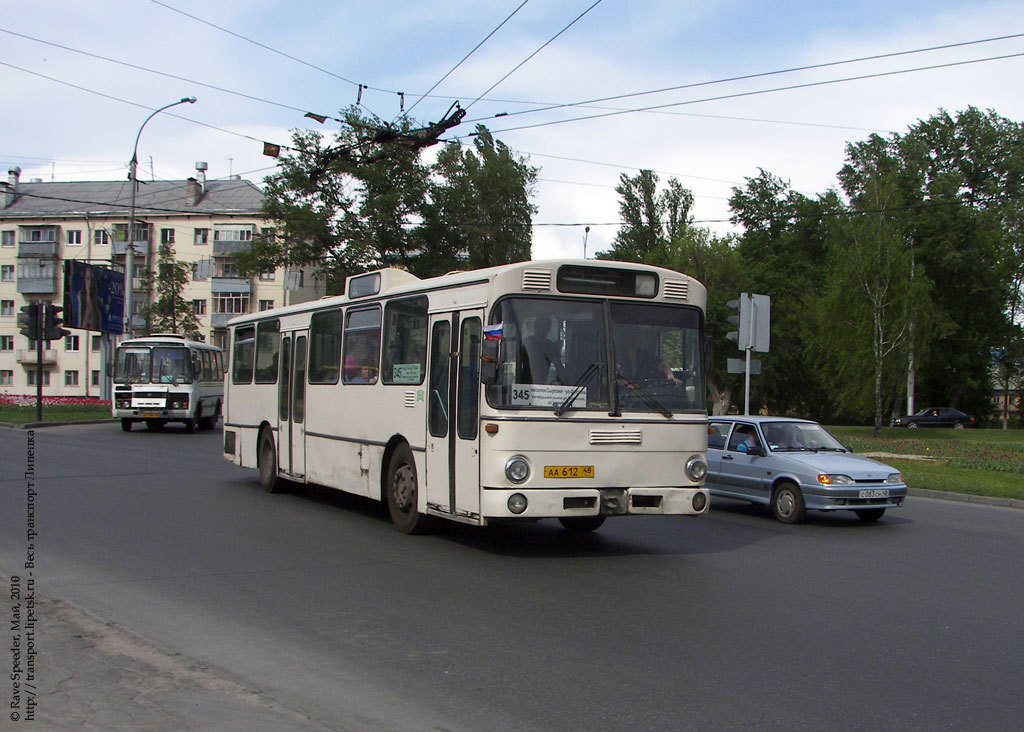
(724, 622)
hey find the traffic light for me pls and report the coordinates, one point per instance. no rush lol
(741, 320)
(52, 322)
(28, 320)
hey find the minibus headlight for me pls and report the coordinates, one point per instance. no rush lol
(696, 468)
(517, 469)
(517, 503)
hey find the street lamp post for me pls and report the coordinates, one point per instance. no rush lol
(129, 252)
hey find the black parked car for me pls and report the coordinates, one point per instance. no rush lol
(936, 417)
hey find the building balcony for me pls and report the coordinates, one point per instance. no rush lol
(118, 248)
(220, 320)
(28, 356)
(37, 285)
(230, 247)
(37, 249)
(231, 284)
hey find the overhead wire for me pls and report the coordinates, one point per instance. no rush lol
(541, 48)
(464, 58)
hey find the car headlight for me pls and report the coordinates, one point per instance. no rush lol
(517, 469)
(894, 478)
(826, 479)
(696, 468)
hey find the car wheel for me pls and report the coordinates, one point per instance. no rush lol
(126, 425)
(870, 515)
(958, 426)
(580, 524)
(788, 503)
(912, 425)
(267, 463)
(402, 490)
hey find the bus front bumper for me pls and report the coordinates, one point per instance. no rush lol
(554, 503)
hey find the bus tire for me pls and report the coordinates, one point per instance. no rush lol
(156, 425)
(581, 524)
(210, 422)
(126, 425)
(402, 491)
(190, 426)
(266, 460)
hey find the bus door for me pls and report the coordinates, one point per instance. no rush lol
(291, 406)
(453, 415)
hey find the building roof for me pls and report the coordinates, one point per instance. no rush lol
(113, 198)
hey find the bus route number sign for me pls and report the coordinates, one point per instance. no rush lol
(568, 471)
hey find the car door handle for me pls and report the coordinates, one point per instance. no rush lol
(726, 457)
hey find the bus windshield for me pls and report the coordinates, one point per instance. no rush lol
(567, 354)
(157, 365)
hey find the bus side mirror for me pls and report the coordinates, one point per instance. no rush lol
(489, 362)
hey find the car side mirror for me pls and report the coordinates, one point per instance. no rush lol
(755, 451)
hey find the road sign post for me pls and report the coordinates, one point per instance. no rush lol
(753, 333)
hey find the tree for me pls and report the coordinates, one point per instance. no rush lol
(170, 312)
(651, 221)
(481, 203)
(366, 200)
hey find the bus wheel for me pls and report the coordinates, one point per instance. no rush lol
(402, 490)
(210, 422)
(267, 461)
(155, 424)
(126, 425)
(190, 426)
(580, 524)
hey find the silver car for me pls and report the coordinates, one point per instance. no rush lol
(795, 465)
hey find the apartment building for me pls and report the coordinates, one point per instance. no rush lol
(208, 223)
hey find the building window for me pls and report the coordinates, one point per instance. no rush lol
(7, 273)
(7, 343)
(231, 302)
(6, 377)
(95, 345)
(70, 378)
(228, 268)
(232, 233)
(167, 236)
(32, 378)
(7, 238)
(267, 276)
(266, 305)
(71, 343)
(101, 238)
(202, 236)
(74, 237)
(7, 307)
(199, 307)
(41, 234)
(95, 377)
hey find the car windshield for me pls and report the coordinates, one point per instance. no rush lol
(797, 436)
(555, 354)
(160, 365)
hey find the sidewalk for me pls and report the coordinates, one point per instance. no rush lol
(92, 676)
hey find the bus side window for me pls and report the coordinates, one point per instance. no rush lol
(243, 355)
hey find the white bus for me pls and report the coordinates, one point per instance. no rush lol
(553, 389)
(166, 378)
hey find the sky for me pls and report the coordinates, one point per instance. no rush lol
(569, 79)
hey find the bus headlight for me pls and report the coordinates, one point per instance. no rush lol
(696, 468)
(517, 469)
(517, 503)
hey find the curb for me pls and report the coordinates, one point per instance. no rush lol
(966, 498)
(36, 425)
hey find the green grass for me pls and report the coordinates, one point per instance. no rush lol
(16, 414)
(978, 462)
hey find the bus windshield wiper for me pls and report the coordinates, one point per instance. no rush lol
(581, 384)
(649, 399)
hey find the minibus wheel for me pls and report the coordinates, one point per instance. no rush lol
(402, 489)
(266, 459)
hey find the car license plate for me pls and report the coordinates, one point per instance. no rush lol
(875, 493)
(568, 471)
(149, 415)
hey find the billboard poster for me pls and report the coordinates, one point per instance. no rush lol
(93, 297)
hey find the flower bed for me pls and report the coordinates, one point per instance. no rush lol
(29, 400)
